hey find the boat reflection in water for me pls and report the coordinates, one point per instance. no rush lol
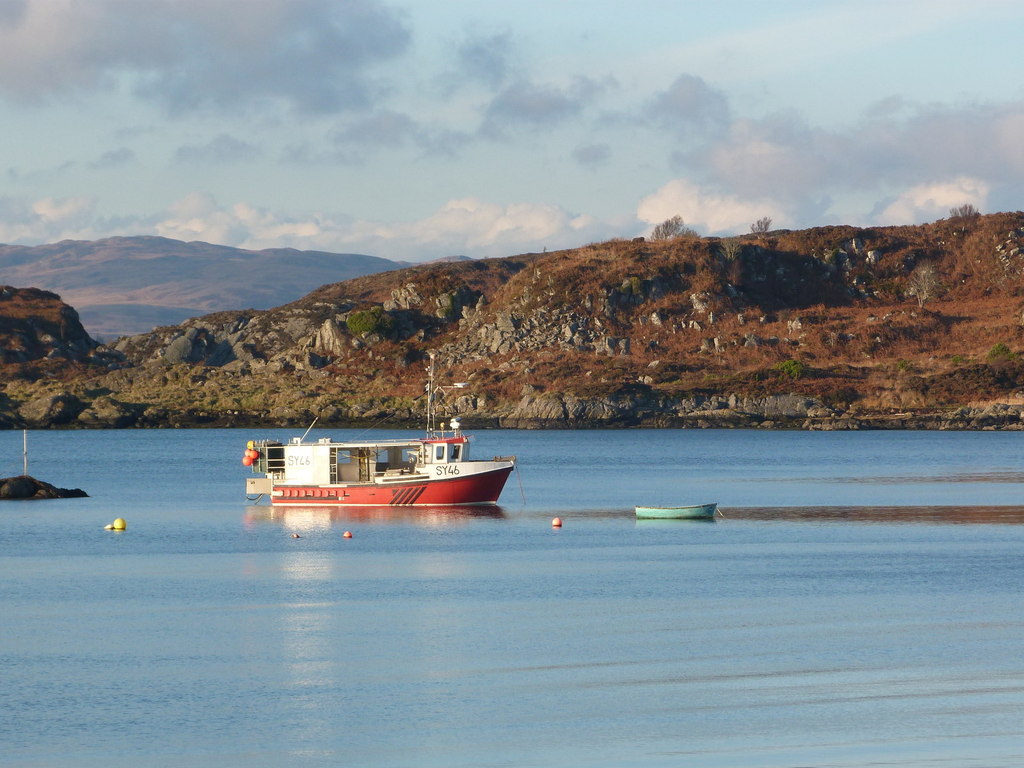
(954, 515)
(325, 517)
(670, 522)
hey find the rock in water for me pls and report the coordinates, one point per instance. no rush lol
(25, 487)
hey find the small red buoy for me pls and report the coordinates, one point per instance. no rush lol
(556, 523)
(347, 535)
(247, 461)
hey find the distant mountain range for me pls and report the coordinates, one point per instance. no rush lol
(128, 285)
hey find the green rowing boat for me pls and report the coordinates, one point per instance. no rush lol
(691, 512)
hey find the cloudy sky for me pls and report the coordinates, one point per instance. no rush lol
(417, 129)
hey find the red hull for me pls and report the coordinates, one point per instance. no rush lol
(483, 488)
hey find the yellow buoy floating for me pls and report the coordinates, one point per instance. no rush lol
(118, 525)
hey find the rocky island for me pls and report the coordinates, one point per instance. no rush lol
(826, 328)
(26, 487)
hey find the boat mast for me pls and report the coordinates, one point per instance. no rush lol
(430, 396)
(432, 393)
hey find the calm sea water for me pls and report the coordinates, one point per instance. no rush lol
(860, 603)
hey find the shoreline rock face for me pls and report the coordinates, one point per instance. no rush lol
(555, 411)
(26, 487)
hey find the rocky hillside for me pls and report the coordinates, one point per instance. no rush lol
(42, 340)
(36, 325)
(123, 285)
(830, 328)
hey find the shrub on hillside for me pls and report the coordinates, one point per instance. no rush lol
(367, 321)
(671, 229)
(792, 368)
(1000, 353)
(967, 211)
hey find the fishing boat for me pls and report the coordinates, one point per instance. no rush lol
(690, 512)
(422, 471)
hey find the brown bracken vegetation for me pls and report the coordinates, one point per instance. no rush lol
(629, 329)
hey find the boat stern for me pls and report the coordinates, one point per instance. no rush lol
(256, 486)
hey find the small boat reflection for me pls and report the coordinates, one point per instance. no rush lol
(321, 516)
(677, 522)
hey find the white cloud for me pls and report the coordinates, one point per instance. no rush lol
(468, 226)
(199, 217)
(776, 156)
(888, 164)
(474, 227)
(485, 224)
(73, 211)
(312, 55)
(707, 212)
(273, 230)
(48, 219)
(927, 202)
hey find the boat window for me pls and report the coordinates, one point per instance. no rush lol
(275, 459)
(341, 461)
(439, 452)
(456, 452)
